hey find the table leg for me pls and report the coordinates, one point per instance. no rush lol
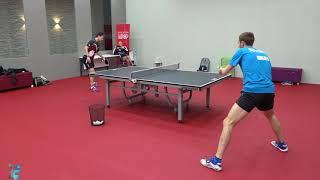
(108, 92)
(208, 94)
(180, 105)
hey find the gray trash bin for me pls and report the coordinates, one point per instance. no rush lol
(97, 113)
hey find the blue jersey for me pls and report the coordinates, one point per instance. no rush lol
(256, 68)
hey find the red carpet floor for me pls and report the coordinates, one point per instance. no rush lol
(47, 131)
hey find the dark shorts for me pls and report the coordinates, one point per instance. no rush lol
(262, 101)
(88, 65)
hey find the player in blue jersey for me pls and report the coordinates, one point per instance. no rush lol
(258, 92)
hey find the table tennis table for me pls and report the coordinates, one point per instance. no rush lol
(142, 80)
(109, 61)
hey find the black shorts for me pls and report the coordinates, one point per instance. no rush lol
(88, 65)
(262, 101)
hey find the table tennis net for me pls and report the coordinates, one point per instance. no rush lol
(155, 70)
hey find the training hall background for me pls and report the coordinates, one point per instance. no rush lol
(47, 36)
(47, 129)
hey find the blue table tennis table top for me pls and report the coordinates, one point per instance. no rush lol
(166, 77)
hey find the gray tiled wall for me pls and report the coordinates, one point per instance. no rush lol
(13, 37)
(38, 59)
(62, 41)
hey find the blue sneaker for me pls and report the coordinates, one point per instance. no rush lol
(282, 146)
(212, 163)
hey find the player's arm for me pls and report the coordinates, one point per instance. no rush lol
(86, 47)
(235, 60)
(126, 50)
(100, 55)
(225, 70)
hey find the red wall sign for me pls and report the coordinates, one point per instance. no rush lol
(123, 34)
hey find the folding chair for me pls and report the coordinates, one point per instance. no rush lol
(204, 65)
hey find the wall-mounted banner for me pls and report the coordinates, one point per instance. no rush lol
(123, 34)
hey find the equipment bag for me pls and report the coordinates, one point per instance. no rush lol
(40, 81)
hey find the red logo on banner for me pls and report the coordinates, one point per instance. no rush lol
(123, 34)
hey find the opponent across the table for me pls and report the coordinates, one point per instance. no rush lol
(142, 80)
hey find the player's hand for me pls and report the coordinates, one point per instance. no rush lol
(88, 60)
(91, 54)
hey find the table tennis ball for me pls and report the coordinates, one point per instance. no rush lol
(32, 86)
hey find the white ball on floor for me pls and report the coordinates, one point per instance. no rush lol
(97, 122)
